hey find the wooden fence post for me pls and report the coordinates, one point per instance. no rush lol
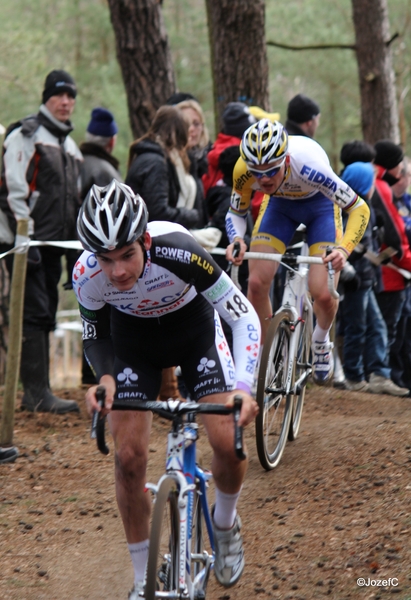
(15, 334)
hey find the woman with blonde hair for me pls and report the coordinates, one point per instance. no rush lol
(199, 143)
(158, 170)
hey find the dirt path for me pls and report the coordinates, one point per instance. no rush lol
(336, 509)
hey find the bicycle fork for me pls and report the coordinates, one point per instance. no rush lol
(190, 480)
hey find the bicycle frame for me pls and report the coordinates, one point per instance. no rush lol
(189, 478)
(296, 301)
(181, 465)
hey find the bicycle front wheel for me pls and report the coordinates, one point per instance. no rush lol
(163, 556)
(302, 371)
(272, 423)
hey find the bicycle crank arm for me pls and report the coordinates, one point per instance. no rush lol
(201, 580)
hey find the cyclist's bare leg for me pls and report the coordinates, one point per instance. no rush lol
(261, 274)
(131, 433)
(228, 471)
(325, 306)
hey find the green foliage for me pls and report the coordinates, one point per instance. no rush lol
(77, 35)
(42, 35)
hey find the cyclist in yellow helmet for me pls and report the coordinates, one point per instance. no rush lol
(300, 186)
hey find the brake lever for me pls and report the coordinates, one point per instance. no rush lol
(236, 252)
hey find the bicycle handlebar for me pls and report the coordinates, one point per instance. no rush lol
(171, 410)
(290, 260)
(98, 423)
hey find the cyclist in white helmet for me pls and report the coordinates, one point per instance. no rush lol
(150, 297)
(300, 186)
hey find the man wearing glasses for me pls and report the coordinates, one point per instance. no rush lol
(300, 187)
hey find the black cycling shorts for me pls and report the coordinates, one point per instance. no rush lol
(191, 337)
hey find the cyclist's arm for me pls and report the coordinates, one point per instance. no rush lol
(240, 315)
(358, 217)
(98, 347)
(99, 353)
(194, 265)
(236, 219)
(357, 209)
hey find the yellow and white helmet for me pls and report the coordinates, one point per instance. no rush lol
(264, 142)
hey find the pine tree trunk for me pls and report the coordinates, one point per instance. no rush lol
(238, 53)
(379, 112)
(144, 57)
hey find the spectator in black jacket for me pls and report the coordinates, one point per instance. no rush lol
(40, 181)
(159, 171)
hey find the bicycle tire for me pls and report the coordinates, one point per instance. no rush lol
(272, 423)
(163, 555)
(301, 364)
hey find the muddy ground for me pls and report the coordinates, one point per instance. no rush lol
(336, 509)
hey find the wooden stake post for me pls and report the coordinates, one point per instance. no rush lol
(15, 334)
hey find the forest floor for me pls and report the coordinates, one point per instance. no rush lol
(332, 520)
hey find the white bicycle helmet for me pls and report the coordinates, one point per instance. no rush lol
(111, 217)
(264, 142)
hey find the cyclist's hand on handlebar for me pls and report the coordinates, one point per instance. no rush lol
(231, 252)
(337, 259)
(249, 408)
(91, 401)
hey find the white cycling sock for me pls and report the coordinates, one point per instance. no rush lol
(321, 335)
(225, 509)
(139, 556)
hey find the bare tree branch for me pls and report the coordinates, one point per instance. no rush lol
(316, 47)
(325, 46)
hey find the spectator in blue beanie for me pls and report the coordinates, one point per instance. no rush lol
(100, 167)
(365, 354)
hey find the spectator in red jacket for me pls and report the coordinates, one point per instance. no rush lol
(389, 163)
(401, 351)
(236, 119)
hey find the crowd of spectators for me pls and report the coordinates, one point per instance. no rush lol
(186, 178)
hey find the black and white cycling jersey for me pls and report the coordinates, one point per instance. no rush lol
(179, 283)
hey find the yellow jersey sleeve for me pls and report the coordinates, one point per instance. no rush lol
(358, 217)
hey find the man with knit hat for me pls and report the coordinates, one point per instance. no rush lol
(40, 182)
(100, 166)
(389, 162)
(303, 116)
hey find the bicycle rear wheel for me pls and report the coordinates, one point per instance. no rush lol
(302, 371)
(272, 423)
(163, 556)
